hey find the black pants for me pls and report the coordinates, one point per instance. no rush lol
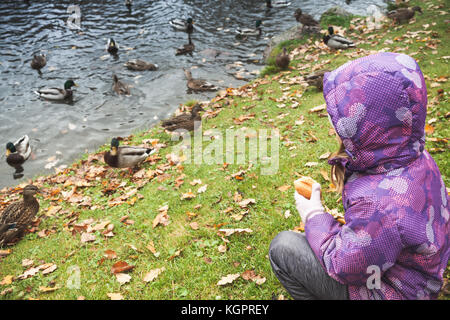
(297, 268)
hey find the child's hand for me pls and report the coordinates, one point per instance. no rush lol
(309, 208)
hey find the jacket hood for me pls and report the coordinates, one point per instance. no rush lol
(377, 105)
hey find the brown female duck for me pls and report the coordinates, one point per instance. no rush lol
(197, 85)
(282, 60)
(140, 65)
(316, 79)
(403, 15)
(17, 216)
(38, 62)
(184, 121)
(119, 87)
(187, 48)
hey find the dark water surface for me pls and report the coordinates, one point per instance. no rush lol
(61, 132)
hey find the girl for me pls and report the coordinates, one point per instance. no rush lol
(395, 243)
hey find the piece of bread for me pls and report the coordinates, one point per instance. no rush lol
(304, 186)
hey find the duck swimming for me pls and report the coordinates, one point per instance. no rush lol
(17, 153)
(112, 47)
(38, 62)
(183, 25)
(57, 94)
(119, 87)
(197, 85)
(250, 32)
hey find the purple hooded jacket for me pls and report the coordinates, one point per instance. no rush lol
(396, 204)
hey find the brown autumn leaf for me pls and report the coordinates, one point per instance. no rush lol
(244, 203)
(229, 232)
(176, 254)
(325, 155)
(120, 267)
(110, 254)
(87, 237)
(222, 248)
(50, 269)
(153, 274)
(123, 278)
(7, 280)
(27, 263)
(161, 218)
(47, 289)
(4, 253)
(188, 195)
(318, 108)
(194, 225)
(284, 188)
(115, 296)
(228, 279)
(429, 129)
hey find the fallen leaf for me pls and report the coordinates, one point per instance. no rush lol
(284, 188)
(194, 225)
(115, 296)
(120, 267)
(87, 237)
(153, 274)
(161, 218)
(27, 263)
(47, 289)
(50, 269)
(7, 280)
(229, 232)
(228, 279)
(110, 254)
(123, 278)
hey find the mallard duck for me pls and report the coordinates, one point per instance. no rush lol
(56, 93)
(277, 4)
(125, 157)
(17, 153)
(112, 47)
(187, 48)
(119, 87)
(250, 32)
(198, 84)
(316, 79)
(184, 121)
(282, 60)
(305, 19)
(17, 216)
(129, 3)
(403, 15)
(140, 65)
(38, 62)
(336, 41)
(183, 25)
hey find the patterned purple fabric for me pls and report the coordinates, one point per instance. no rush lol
(396, 204)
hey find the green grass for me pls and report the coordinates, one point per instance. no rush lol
(190, 276)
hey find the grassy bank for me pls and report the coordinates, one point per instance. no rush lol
(163, 221)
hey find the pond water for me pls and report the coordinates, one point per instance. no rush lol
(61, 132)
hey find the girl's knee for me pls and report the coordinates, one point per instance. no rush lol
(287, 242)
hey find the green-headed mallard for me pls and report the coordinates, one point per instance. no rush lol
(282, 60)
(198, 84)
(277, 4)
(305, 19)
(17, 153)
(38, 62)
(119, 87)
(15, 218)
(140, 65)
(184, 121)
(187, 48)
(403, 15)
(56, 93)
(112, 47)
(126, 156)
(129, 3)
(250, 32)
(336, 41)
(183, 25)
(316, 79)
